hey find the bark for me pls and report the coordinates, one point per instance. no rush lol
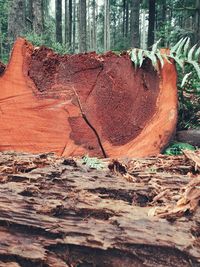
(29, 18)
(106, 25)
(151, 28)
(58, 6)
(163, 23)
(94, 34)
(68, 23)
(89, 27)
(74, 26)
(57, 212)
(84, 104)
(189, 136)
(124, 18)
(37, 17)
(127, 19)
(135, 11)
(197, 22)
(16, 20)
(82, 26)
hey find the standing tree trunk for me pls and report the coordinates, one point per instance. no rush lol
(74, 27)
(82, 26)
(37, 17)
(94, 37)
(135, 13)
(68, 23)
(58, 5)
(127, 19)
(124, 18)
(197, 22)
(89, 26)
(163, 23)
(29, 20)
(152, 15)
(16, 20)
(107, 25)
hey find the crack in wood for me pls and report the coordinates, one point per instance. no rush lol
(89, 124)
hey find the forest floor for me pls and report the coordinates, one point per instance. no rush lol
(86, 212)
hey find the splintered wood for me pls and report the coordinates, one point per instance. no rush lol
(59, 212)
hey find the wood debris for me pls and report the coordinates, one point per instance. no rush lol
(60, 212)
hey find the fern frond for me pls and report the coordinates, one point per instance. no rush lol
(185, 78)
(140, 57)
(134, 57)
(176, 46)
(190, 53)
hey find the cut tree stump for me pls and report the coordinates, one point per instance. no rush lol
(58, 212)
(92, 104)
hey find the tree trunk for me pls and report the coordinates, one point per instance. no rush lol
(84, 104)
(89, 26)
(151, 28)
(74, 26)
(37, 17)
(94, 37)
(29, 18)
(58, 6)
(189, 136)
(143, 30)
(127, 19)
(197, 22)
(16, 20)
(106, 25)
(135, 12)
(163, 23)
(124, 18)
(68, 23)
(82, 26)
(56, 212)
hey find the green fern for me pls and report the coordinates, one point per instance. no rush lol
(180, 53)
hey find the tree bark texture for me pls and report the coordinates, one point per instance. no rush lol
(197, 22)
(135, 12)
(85, 104)
(29, 18)
(58, 5)
(68, 23)
(94, 33)
(57, 212)
(151, 28)
(74, 28)
(82, 26)
(106, 25)
(16, 20)
(37, 17)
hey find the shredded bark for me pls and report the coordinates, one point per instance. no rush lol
(60, 212)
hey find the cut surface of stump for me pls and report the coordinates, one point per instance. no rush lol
(92, 104)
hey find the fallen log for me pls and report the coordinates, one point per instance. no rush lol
(85, 104)
(189, 136)
(58, 212)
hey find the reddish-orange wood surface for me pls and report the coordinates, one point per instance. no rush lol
(85, 104)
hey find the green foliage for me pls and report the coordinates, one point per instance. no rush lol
(188, 76)
(176, 148)
(92, 163)
(179, 52)
(189, 99)
(39, 40)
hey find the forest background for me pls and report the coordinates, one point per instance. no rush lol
(74, 26)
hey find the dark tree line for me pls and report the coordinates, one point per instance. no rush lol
(80, 25)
